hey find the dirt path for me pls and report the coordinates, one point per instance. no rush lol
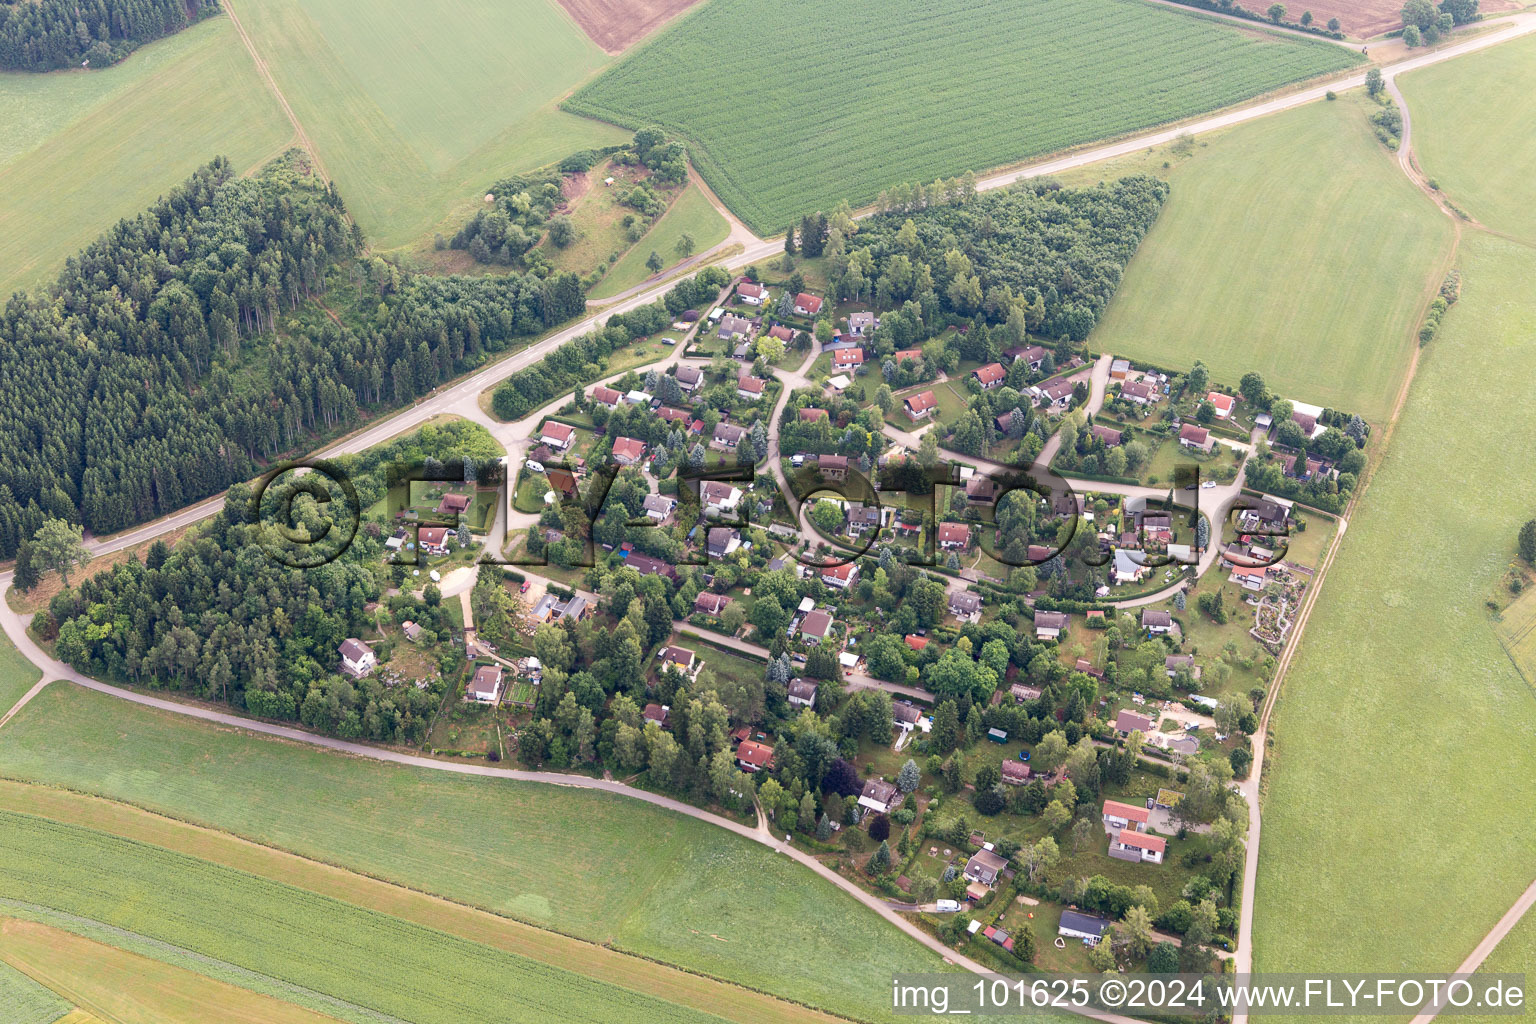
(1495, 935)
(277, 92)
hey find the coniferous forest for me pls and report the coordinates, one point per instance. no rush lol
(42, 35)
(189, 342)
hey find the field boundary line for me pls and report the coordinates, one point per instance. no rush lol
(266, 73)
(35, 689)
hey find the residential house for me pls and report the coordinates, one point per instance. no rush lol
(816, 627)
(673, 415)
(1137, 846)
(914, 354)
(1038, 553)
(863, 323)
(920, 407)
(1136, 391)
(984, 867)
(659, 506)
(1307, 422)
(751, 293)
(645, 565)
(750, 389)
(627, 451)
(689, 377)
(1021, 692)
(811, 415)
(557, 436)
(841, 577)
(1127, 722)
(727, 436)
(1117, 816)
(412, 630)
(753, 756)
(862, 519)
(678, 657)
(719, 496)
(1191, 436)
(1031, 355)
(833, 467)
(562, 481)
(918, 643)
(1222, 403)
(454, 504)
(485, 685)
(1156, 621)
(1268, 515)
(732, 326)
(954, 536)
(880, 796)
(607, 396)
(1175, 663)
(1086, 927)
(1015, 773)
(1129, 568)
(1057, 394)
(721, 541)
(980, 489)
(708, 603)
(802, 693)
(909, 716)
(637, 397)
(433, 540)
(661, 714)
(357, 659)
(965, 605)
(1110, 436)
(990, 376)
(847, 359)
(807, 305)
(782, 333)
(1050, 625)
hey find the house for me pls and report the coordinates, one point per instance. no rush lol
(1135, 391)
(1127, 722)
(678, 657)
(433, 540)
(984, 867)
(1223, 404)
(913, 354)
(1156, 621)
(357, 659)
(965, 605)
(1119, 369)
(782, 333)
(718, 496)
(1085, 666)
(917, 643)
(1307, 422)
(606, 396)
(1015, 773)
(1057, 394)
(1191, 436)
(862, 323)
(1086, 927)
(721, 541)
(627, 451)
(1021, 692)
(909, 716)
(1267, 515)
(807, 305)
(1128, 568)
(1137, 846)
(1174, 663)
(847, 358)
(672, 415)
(557, 435)
(920, 406)
(637, 397)
(989, 376)
(833, 467)
(1117, 816)
(1110, 436)
(1250, 577)
(1050, 625)
(753, 756)
(980, 489)
(750, 389)
(862, 519)
(1031, 355)
(751, 293)
(661, 714)
(842, 577)
(811, 415)
(645, 565)
(412, 630)
(689, 377)
(454, 504)
(727, 435)
(710, 604)
(816, 627)
(485, 685)
(879, 796)
(733, 326)
(659, 506)
(802, 693)
(1037, 553)
(954, 536)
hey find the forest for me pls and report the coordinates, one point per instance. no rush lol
(1056, 254)
(43, 35)
(186, 344)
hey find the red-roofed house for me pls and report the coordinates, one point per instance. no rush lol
(913, 354)
(1118, 816)
(807, 304)
(453, 504)
(810, 415)
(1223, 404)
(751, 294)
(842, 577)
(606, 396)
(916, 642)
(627, 450)
(847, 358)
(919, 407)
(1191, 436)
(989, 376)
(750, 388)
(557, 435)
(954, 536)
(434, 540)
(753, 756)
(1137, 846)
(782, 333)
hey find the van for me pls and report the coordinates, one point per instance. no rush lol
(534, 467)
(946, 906)
(797, 460)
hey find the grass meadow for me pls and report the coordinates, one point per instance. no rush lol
(1514, 955)
(912, 90)
(17, 674)
(1403, 787)
(1483, 170)
(692, 214)
(417, 108)
(1292, 246)
(82, 150)
(601, 867)
(24, 1001)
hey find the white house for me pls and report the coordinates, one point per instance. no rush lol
(357, 659)
(879, 796)
(557, 435)
(1137, 846)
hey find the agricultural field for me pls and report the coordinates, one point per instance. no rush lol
(1424, 820)
(616, 24)
(923, 90)
(600, 867)
(1513, 955)
(1485, 172)
(416, 108)
(692, 214)
(22, 1000)
(82, 150)
(17, 674)
(1292, 246)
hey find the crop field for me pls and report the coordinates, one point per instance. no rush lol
(418, 107)
(1292, 246)
(692, 214)
(601, 867)
(916, 90)
(1424, 820)
(81, 150)
(1484, 171)
(24, 1001)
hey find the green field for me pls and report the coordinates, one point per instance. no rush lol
(916, 90)
(1516, 629)
(416, 108)
(17, 674)
(24, 1001)
(1514, 955)
(600, 867)
(692, 214)
(1293, 246)
(1402, 747)
(1486, 172)
(83, 150)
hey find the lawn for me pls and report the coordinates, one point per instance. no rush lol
(24, 1001)
(417, 108)
(1424, 820)
(82, 150)
(953, 400)
(1516, 629)
(597, 866)
(1292, 246)
(921, 90)
(17, 674)
(691, 214)
(1482, 169)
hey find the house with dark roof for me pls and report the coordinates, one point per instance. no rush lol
(1015, 773)
(802, 693)
(1155, 620)
(485, 686)
(645, 565)
(689, 377)
(678, 657)
(1136, 391)
(453, 504)
(727, 436)
(1050, 625)
(862, 323)
(1057, 394)
(732, 326)
(1127, 722)
(357, 658)
(1086, 927)
(721, 541)
(661, 714)
(816, 626)
(1175, 663)
(782, 333)
(719, 496)
(980, 489)
(1110, 436)
(965, 605)
(984, 867)
(708, 603)
(1031, 355)
(659, 506)
(833, 467)
(880, 796)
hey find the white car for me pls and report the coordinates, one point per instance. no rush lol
(533, 467)
(1207, 485)
(669, 341)
(797, 460)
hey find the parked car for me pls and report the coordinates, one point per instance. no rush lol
(947, 906)
(524, 588)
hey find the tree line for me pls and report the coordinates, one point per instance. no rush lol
(42, 35)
